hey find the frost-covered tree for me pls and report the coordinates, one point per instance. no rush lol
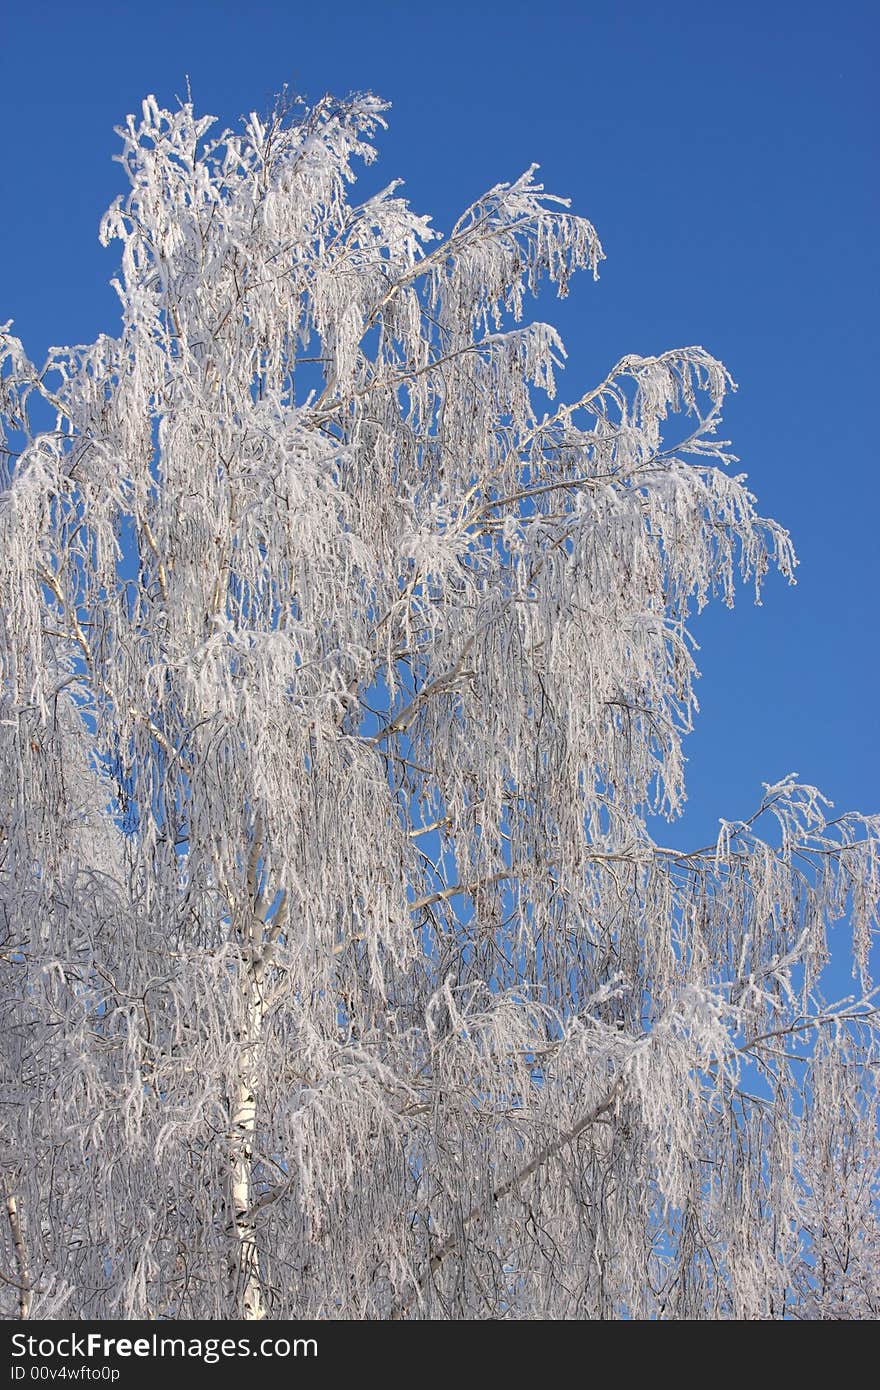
(343, 671)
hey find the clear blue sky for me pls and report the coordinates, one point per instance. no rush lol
(729, 161)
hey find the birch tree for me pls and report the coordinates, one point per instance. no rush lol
(344, 671)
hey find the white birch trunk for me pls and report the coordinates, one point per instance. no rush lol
(24, 1282)
(247, 1290)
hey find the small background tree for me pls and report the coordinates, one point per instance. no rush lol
(342, 670)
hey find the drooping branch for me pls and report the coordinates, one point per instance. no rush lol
(481, 1212)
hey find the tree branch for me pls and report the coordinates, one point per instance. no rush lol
(481, 1211)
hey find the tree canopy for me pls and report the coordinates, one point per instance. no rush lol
(344, 672)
